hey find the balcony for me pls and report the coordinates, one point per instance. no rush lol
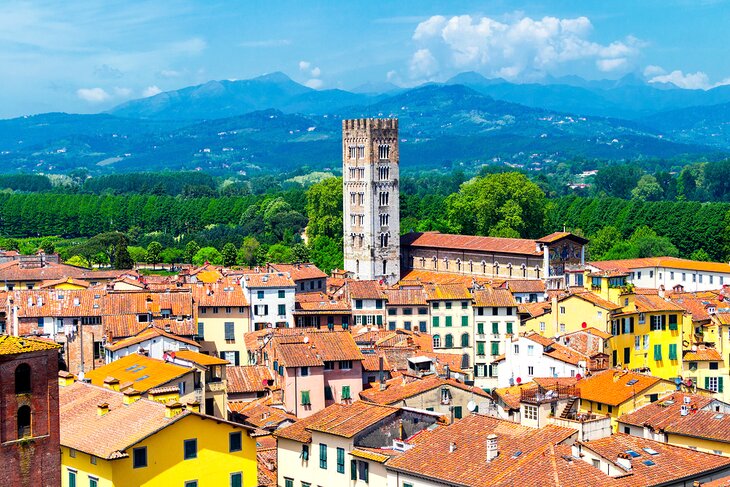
(541, 395)
(589, 426)
(215, 386)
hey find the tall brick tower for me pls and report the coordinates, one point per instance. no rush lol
(371, 207)
(29, 431)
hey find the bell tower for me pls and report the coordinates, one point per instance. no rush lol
(371, 207)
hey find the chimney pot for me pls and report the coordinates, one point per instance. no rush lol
(492, 448)
(102, 408)
(452, 447)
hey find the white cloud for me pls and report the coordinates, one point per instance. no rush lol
(653, 70)
(169, 73)
(316, 72)
(514, 47)
(151, 91)
(314, 83)
(122, 92)
(93, 95)
(423, 64)
(692, 81)
(304, 65)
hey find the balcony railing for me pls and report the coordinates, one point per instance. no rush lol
(215, 386)
(541, 395)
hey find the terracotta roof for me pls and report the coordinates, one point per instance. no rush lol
(701, 354)
(179, 302)
(469, 242)
(669, 464)
(13, 345)
(224, 293)
(266, 467)
(593, 299)
(339, 420)
(320, 303)
(439, 292)
(555, 236)
(467, 465)
(418, 277)
(696, 305)
(198, 358)
(107, 274)
(494, 298)
(266, 280)
(260, 414)
(365, 290)
(666, 262)
(323, 345)
(38, 303)
(647, 303)
(17, 270)
(525, 285)
(248, 378)
(297, 355)
(406, 297)
(612, 386)
(299, 271)
(147, 334)
(142, 373)
(722, 482)
(664, 415)
(511, 395)
(535, 309)
(116, 326)
(65, 280)
(396, 391)
(591, 330)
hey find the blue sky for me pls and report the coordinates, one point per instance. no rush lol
(87, 56)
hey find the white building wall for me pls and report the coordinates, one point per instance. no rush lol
(528, 354)
(265, 317)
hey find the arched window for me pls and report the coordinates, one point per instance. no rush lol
(464, 339)
(465, 361)
(496, 268)
(385, 267)
(435, 263)
(524, 270)
(437, 341)
(484, 267)
(446, 263)
(23, 422)
(449, 341)
(471, 265)
(22, 379)
(509, 267)
(458, 264)
(357, 266)
(537, 271)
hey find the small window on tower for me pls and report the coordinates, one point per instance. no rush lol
(385, 267)
(384, 151)
(361, 152)
(352, 151)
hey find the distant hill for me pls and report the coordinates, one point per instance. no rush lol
(708, 125)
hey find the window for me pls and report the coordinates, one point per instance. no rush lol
(305, 453)
(230, 333)
(657, 352)
(234, 441)
(495, 348)
(22, 379)
(646, 342)
(637, 342)
(358, 304)
(282, 310)
(531, 412)
(464, 339)
(713, 384)
(530, 370)
(449, 341)
(323, 456)
(530, 350)
(345, 364)
(93, 481)
(328, 396)
(201, 329)
(340, 460)
(24, 422)
(288, 482)
(346, 392)
(190, 449)
(553, 372)
(464, 321)
(303, 371)
(495, 328)
(457, 412)
(435, 321)
(305, 399)
(673, 352)
(542, 326)
(596, 463)
(448, 304)
(509, 328)
(436, 341)
(562, 310)
(517, 349)
(713, 365)
(407, 325)
(191, 483)
(260, 294)
(71, 478)
(282, 294)
(422, 326)
(139, 457)
(237, 479)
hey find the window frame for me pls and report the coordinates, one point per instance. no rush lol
(190, 455)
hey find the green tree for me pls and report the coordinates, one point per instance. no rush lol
(208, 254)
(137, 254)
(172, 255)
(644, 242)
(248, 249)
(324, 209)
(647, 189)
(153, 253)
(229, 254)
(602, 241)
(191, 249)
(9, 244)
(48, 246)
(503, 203)
(700, 254)
(112, 245)
(326, 253)
(617, 181)
(300, 253)
(280, 254)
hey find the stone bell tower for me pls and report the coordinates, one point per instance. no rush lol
(371, 207)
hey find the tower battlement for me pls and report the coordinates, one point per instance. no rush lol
(370, 123)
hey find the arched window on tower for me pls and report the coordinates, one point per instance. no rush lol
(357, 266)
(22, 379)
(385, 267)
(24, 422)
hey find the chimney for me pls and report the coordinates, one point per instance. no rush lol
(624, 461)
(131, 396)
(381, 374)
(452, 447)
(172, 409)
(65, 378)
(447, 372)
(102, 408)
(111, 383)
(492, 450)
(193, 406)
(661, 291)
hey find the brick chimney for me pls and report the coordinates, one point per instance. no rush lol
(492, 450)
(102, 408)
(172, 409)
(131, 396)
(111, 383)
(65, 378)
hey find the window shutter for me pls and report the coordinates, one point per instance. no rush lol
(495, 328)
(719, 384)
(353, 469)
(509, 328)
(707, 382)
(464, 321)
(448, 321)
(379, 319)
(480, 328)
(237, 358)
(631, 324)
(365, 471)
(664, 322)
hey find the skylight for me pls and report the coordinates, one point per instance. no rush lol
(632, 382)
(142, 378)
(649, 463)
(517, 454)
(719, 416)
(650, 451)
(632, 453)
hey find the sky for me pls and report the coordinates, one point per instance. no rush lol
(84, 56)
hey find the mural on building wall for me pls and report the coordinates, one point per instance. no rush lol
(564, 254)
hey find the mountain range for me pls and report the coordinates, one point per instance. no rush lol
(272, 123)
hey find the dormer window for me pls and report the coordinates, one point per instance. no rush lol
(143, 318)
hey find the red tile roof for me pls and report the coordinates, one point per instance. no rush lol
(365, 290)
(494, 298)
(406, 297)
(396, 391)
(612, 386)
(647, 303)
(140, 372)
(248, 378)
(470, 242)
(147, 334)
(266, 280)
(702, 353)
(299, 271)
(443, 292)
(525, 285)
(666, 262)
(224, 293)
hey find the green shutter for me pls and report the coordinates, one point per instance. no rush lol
(457, 412)
(449, 341)
(435, 321)
(379, 319)
(657, 352)
(72, 479)
(464, 321)
(480, 328)
(346, 392)
(495, 328)
(322, 456)
(328, 393)
(236, 480)
(672, 322)
(340, 460)
(719, 384)
(448, 321)
(509, 328)
(353, 469)
(365, 473)
(672, 351)
(480, 348)
(707, 382)
(305, 398)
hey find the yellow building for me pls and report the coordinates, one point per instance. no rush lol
(616, 392)
(609, 285)
(223, 319)
(689, 420)
(109, 439)
(571, 313)
(647, 335)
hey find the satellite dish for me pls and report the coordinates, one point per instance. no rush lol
(306, 340)
(457, 377)
(471, 406)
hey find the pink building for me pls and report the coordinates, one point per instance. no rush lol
(315, 369)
